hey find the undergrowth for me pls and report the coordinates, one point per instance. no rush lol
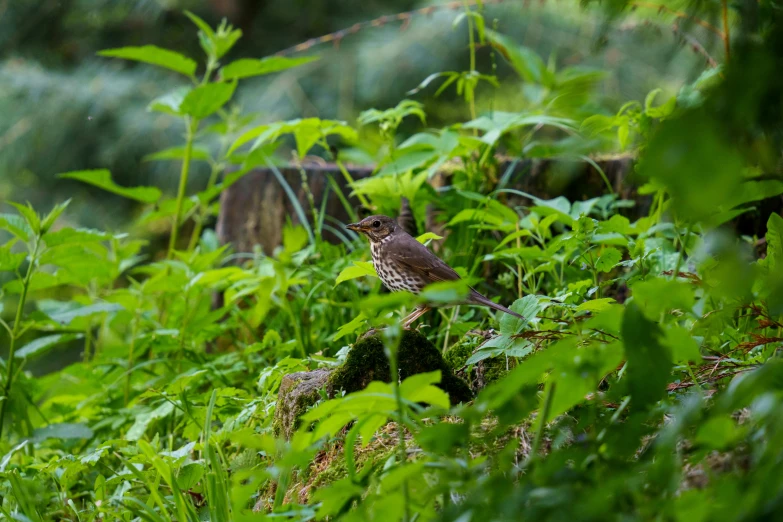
(645, 382)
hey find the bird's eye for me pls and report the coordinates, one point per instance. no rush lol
(376, 224)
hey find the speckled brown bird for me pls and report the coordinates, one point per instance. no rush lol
(403, 263)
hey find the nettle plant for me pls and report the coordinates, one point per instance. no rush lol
(648, 359)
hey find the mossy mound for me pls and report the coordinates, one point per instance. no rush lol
(298, 391)
(366, 362)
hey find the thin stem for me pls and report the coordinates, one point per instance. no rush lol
(726, 35)
(131, 350)
(548, 398)
(9, 376)
(365, 203)
(403, 456)
(190, 129)
(681, 254)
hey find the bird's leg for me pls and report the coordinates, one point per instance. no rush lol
(418, 312)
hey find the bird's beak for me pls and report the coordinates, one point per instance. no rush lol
(356, 227)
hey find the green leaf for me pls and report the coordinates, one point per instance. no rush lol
(51, 218)
(608, 259)
(171, 102)
(190, 475)
(658, 296)
(154, 55)
(178, 153)
(350, 327)
(69, 236)
(62, 431)
(204, 100)
(683, 346)
(102, 178)
(16, 225)
(294, 238)
(43, 344)
(359, 269)
(649, 361)
(428, 236)
(596, 305)
(30, 216)
(67, 317)
(247, 67)
(719, 433)
(419, 388)
(774, 259)
(525, 61)
(9, 261)
(528, 307)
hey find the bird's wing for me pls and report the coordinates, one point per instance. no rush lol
(410, 255)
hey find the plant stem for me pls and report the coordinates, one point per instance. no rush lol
(365, 203)
(403, 456)
(131, 350)
(726, 35)
(9, 375)
(190, 128)
(549, 396)
(676, 272)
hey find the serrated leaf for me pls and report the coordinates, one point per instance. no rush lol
(29, 214)
(420, 388)
(68, 236)
(204, 100)
(43, 344)
(608, 258)
(528, 307)
(247, 67)
(596, 305)
(154, 55)
(16, 225)
(102, 178)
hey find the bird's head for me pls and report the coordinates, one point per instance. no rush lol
(375, 227)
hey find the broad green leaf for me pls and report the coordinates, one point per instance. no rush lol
(16, 225)
(445, 292)
(658, 296)
(205, 99)
(359, 269)
(247, 67)
(178, 153)
(774, 259)
(649, 361)
(683, 346)
(171, 102)
(420, 388)
(68, 236)
(10, 261)
(294, 238)
(67, 317)
(719, 433)
(43, 344)
(29, 214)
(102, 178)
(39, 281)
(154, 55)
(608, 258)
(62, 431)
(528, 307)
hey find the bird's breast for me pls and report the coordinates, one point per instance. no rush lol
(391, 274)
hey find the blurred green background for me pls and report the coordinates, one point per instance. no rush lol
(65, 108)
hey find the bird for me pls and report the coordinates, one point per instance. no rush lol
(402, 263)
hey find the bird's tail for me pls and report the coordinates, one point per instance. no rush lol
(477, 298)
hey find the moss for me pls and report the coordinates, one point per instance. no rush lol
(367, 362)
(298, 391)
(458, 355)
